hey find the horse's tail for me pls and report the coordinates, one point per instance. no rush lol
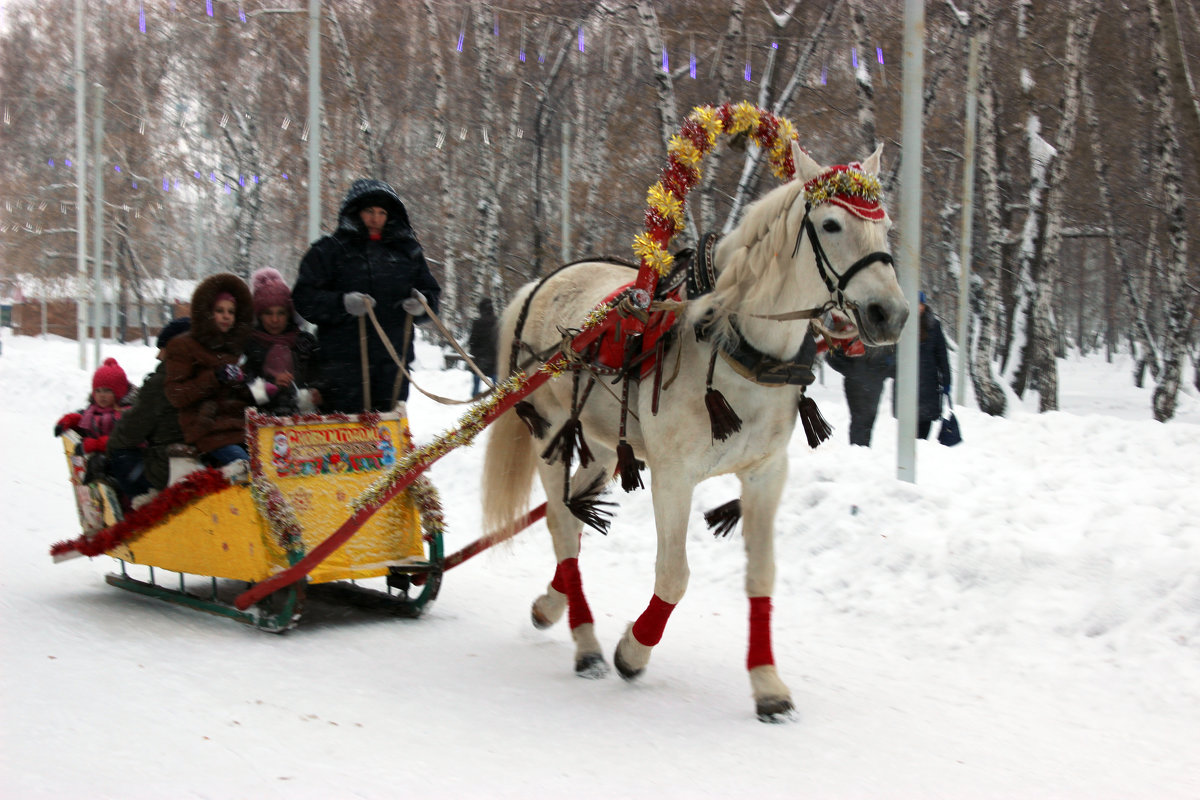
(508, 468)
(509, 461)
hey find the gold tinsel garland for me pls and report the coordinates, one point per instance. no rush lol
(666, 199)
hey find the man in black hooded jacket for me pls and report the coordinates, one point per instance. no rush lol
(373, 260)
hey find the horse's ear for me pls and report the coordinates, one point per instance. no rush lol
(871, 165)
(806, 168)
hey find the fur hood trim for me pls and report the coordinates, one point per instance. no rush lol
(203, 330)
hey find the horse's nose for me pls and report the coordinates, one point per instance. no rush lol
(880, 322)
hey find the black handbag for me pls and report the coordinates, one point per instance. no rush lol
(949, 434)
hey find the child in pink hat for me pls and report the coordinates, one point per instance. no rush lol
(110, 396)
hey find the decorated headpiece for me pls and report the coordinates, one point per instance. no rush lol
(849, 187)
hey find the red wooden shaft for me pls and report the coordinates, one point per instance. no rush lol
(479, 545)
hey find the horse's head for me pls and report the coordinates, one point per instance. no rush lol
(844, 229)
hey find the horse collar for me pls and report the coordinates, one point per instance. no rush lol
(701, 273)
(755, 365)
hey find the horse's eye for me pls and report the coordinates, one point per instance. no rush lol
(831, 226)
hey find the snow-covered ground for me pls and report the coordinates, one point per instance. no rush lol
(1023, 621)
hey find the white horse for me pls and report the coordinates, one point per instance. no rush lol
(770, 265)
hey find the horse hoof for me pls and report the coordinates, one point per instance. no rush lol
(624, 669)
(540, 620)
(591, 666)
(775, 709)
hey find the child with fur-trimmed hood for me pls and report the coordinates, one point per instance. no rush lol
(205, 380)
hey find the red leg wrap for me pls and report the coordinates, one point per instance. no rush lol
(648, 629)
(567, 581)
(760, 633)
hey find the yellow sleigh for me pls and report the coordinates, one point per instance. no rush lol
(304, 478)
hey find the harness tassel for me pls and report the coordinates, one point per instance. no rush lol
(724, 420)
(567, 442)
(538, 425)
(815, 427)
(724, 518)
(590, 509)
(629, 467)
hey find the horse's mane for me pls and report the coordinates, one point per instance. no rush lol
(755, 254)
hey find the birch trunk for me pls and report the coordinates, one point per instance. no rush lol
(989, 392)
(1180, 308)
(1043, 363)
(443, 166)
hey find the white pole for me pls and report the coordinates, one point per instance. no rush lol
(314, 120)
(968, 213)
(80, 191)
(910, 238)
(98, 215)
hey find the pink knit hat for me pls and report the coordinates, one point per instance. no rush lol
(111, 376)
(269, 290)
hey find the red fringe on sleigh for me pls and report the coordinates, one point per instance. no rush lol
(170, 501)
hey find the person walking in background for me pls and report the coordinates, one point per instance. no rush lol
(278, 351)
(204, 379)
(864, 371)
(372, 260)
(481, 344)
(933, 370)
(137, 448)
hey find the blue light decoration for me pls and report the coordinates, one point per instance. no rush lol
(241, 180)
(747, 69)
(241, 12)
(212, 176)
(666, 63)
(135, 184)
(66, 162)
(227, 189)
(879, 54)
(824, 74)
(166, 185)
(50, 161)
(461, 35)
(141, 18)
(854, 57)
(208, 7)
(285, 175)
(196, 174)
(581, 39)
(692, 65)
(256, 179)
(117, 167)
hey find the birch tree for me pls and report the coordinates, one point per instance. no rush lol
(989, 392)
(1181, 300)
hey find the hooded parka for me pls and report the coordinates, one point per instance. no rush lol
(388, 270)
(211, 413)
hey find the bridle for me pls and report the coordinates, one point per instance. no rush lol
(837, 288)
